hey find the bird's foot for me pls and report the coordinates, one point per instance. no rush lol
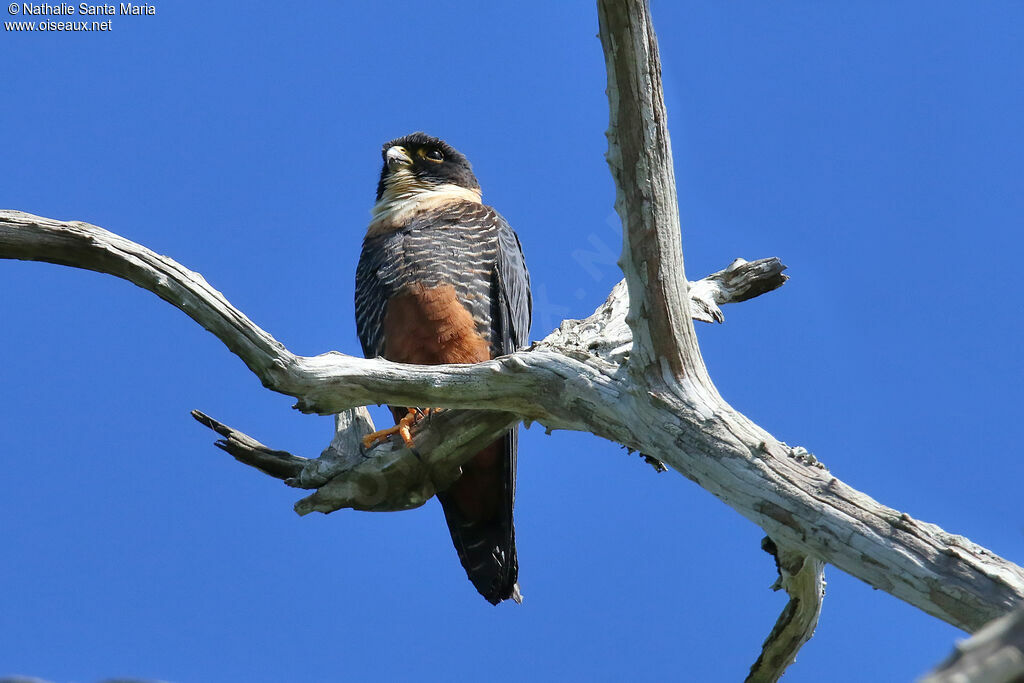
(403, 429)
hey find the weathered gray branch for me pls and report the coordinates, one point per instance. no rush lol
(803, 578)
(249, 451)
(793, 499)
(578, 378)
(640, 158)
(995, 654)
(742, 280)
(398, 478)
(390, 477)
(631, 373)
(665, 354)
(331, 382)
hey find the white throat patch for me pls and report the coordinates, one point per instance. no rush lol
(403, 200)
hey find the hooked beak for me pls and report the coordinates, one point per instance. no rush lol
(397, 156)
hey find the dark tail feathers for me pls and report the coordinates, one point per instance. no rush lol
(486, 541)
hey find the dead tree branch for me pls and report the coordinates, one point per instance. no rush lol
(995, 654)
(577, 378)
(715, 445)
(331, 382)
(398, 478)
(640, 158)
(803, 578)
(631, 373)
(580, 378)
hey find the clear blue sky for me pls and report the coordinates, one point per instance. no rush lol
(876, 148)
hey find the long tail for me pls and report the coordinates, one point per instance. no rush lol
(478, 509)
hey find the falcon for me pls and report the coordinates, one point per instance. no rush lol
(441, 279)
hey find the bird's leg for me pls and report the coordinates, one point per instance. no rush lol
(403, 429)
(420, 413)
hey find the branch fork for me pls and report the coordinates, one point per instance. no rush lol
(392, 476)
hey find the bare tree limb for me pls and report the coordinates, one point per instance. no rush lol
(715, 445)
(631, 373)
(640, 158)
(995, 654)
(803, 578)
(328, 383)
(742, 280)
(85, 246)
(576, 379)
(390, 477)
(399, 478)
(249, 451)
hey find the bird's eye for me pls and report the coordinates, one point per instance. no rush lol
(434, 155)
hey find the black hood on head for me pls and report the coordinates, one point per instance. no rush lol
(433, 162)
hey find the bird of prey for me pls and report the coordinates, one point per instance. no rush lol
(441, 279)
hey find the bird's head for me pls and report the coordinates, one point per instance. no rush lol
(421, 163)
